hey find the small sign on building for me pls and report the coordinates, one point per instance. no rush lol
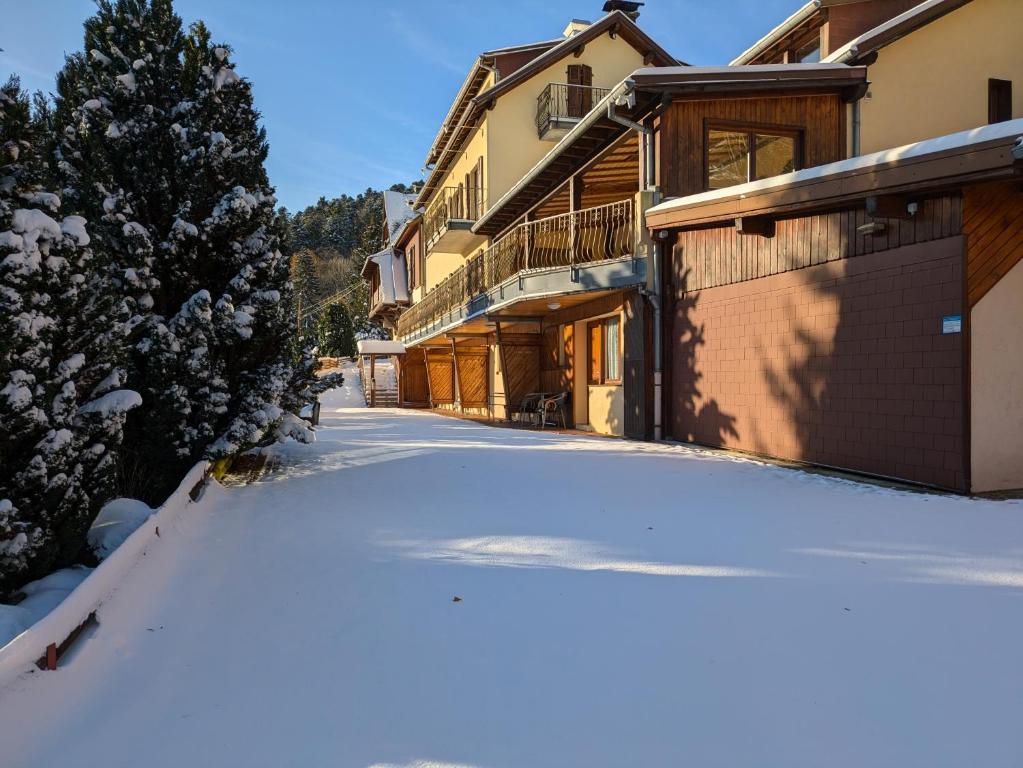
(952, 324)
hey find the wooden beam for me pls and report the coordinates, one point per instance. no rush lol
(754, 225)
(575, 202)
(456, 385)
(504, 372)
(514, 319)
(373, 381)
(429, 384)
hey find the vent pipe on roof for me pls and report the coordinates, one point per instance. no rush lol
(630, 9)
(575, 26)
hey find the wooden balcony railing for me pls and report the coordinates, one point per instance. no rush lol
(461, 203)
(583, 237)
(560, 105)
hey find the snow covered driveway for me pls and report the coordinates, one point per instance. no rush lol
(621, 605)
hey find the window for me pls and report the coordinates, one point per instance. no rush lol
(740, 154)
(605, 351)
(810, 54)
(999, 100)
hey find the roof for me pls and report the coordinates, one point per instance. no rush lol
(595, 131)
(398, 211)
(379, 347)
(877, 38)
(393, 276)
(617, 20)
(982, 154)
(751, 77)
(467, 108)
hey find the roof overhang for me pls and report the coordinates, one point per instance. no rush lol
(991, 153)
(851, 82)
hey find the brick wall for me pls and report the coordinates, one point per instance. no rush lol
(842, 364)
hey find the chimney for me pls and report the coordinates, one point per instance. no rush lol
(575, 26)
(630, 9)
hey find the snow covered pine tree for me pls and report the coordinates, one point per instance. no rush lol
(61, 402)
(160, 135)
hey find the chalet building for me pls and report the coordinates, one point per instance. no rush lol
(733, 255)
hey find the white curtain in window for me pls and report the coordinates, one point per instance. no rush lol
(611, 349)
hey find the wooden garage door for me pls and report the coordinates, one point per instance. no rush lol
(472, 377)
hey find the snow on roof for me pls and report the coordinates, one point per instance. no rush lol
(376, 347)
(1003, 130)
(393, 276)
(398, 211)
(911, 19)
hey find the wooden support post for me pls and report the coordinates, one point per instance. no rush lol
(429, 384)
(51, 657)
(373, 381)
(575, 199)
(528, 240)
(504, 371)
(456, 385)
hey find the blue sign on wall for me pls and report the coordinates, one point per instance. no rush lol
(952, 324)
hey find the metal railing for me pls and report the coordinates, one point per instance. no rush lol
(450, 204)
(583, 237)
(562, 101)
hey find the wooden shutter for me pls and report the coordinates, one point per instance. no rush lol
(596, 352)
(580, 97)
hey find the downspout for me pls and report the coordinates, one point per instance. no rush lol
(652, 291)
(856, 128)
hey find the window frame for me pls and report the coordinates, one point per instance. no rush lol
(751, 130)
(602, 323)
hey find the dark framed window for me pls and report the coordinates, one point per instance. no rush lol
(605, 351)
(999, 100)
(736, 153)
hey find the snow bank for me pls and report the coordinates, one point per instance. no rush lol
(42, 597)
(115, 523)
(70, 611)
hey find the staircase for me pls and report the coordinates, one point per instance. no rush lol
(384, 384)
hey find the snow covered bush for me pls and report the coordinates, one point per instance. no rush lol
(160, 147)
(62, 405)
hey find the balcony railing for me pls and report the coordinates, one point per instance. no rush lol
(453, 210)
(560, 106)
(583, 237)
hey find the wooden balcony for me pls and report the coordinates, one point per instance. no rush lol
(571, 240)
(560, 106)
(448, 220)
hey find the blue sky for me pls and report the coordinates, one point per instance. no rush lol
(353, 93)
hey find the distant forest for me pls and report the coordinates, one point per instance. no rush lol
(328, 243)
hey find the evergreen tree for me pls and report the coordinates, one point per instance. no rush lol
(61, 403)
(336, 333)
(160, 139)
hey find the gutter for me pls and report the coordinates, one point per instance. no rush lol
(780, 31)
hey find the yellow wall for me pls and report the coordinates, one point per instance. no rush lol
(514, 145)
(934, 81)
(996, 392)
(607, 409)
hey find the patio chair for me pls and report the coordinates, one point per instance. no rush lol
(550, 408)
(528, 407)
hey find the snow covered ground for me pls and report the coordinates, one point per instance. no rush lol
(620, 605)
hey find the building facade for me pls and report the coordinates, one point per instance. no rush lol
(738, 256)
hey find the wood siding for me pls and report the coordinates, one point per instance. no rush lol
(415, 392)
(993, 225)
(681, 133)
(708, 258)
(521, 355)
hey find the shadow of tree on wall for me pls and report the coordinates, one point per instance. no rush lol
(694, 418)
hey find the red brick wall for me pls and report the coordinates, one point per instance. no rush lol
(842, 364)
